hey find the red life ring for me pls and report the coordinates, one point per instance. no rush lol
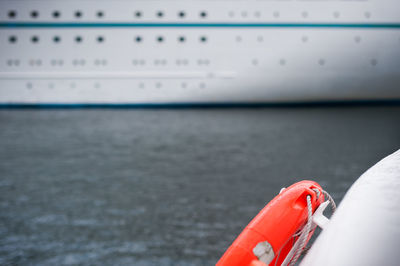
(275, 225)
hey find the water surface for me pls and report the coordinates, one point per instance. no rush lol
(167, 187)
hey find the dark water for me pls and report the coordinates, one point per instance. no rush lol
(166, 187)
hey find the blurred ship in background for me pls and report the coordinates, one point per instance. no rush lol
(198, 51)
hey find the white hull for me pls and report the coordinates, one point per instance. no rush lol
(230, 51)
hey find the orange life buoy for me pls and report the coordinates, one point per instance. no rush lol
(275, 226)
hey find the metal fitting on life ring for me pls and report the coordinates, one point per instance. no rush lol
(270, 236)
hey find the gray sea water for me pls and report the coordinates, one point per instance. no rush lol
(167, 187)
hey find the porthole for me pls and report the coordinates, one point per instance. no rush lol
(11, 62)
(34, 14)
(55, 62)
(160, 14)
(336, 14)
(35, 39)
(254, 62)
(78, 39)
(78, 14)
(257, 14)
(244, 14)
(260, 39)
(181, 14)
(138, 39)
(56, 14)
(12, 39)
(304, 39)
(238, 38)
(138, 14)
(29, 85)
(304, 14)
(282, 62)
(203, 62)
(34, 62)
(276, 14)
(136, 62)
(231, 14)
(141, 85)
(203, 39)
(162, 62)
(367, 14)
(181, 38)
(100, 39)
(12, 14)
(100, 14)
(357, 39)
(202, 85)
(183, 85)
(160, 39)
(78, 62)
(56, 39)
(203, 14)
(158, 85)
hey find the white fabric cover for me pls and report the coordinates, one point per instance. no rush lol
(365, 230)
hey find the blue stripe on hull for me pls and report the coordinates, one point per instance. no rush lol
(394, 102)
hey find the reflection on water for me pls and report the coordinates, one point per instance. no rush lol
(166, 187)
